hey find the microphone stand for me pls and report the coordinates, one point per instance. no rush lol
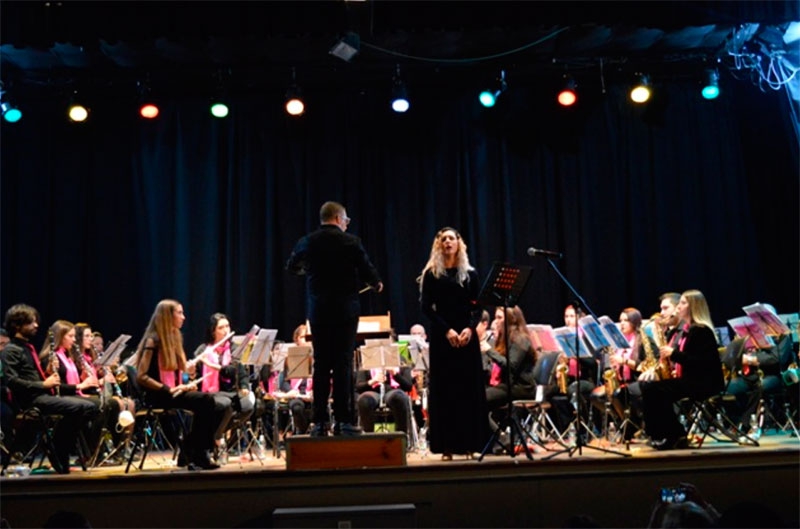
(579, 442)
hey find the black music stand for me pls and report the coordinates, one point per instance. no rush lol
(579, 442)
(504, 287)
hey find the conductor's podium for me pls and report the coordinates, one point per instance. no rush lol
(369, 450)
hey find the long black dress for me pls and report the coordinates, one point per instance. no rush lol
(457, 410)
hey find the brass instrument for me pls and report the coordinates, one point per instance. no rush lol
(561, 378)
(610, 381)
(650, 362)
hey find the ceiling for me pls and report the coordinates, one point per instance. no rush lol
(53, 45)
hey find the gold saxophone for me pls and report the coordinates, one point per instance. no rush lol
(610, 381)
(561, 378)
(650, 362)
(664, 368)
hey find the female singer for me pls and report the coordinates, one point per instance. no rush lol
(695, 351)
(160, 362)
(109, 391)
(448, 297)
(520, 359)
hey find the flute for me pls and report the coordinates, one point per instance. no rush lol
(192, 383)
(193, 361)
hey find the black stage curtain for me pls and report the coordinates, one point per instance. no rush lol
(102, 220)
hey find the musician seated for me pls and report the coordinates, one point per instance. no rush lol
(752, 373)
(390, 387)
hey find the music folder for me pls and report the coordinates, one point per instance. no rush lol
(566, 338)
(543, 338)
(613, 332)
(752, 332)
(769, 322)
(596, 335)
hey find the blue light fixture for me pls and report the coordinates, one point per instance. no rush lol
(711, 88)
(489, 96)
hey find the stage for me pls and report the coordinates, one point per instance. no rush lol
(423, 491)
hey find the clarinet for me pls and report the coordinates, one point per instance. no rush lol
(52, 360)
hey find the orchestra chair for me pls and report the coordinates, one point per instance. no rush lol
(148, 431)
(33, 424)
(708, 418)
(537, 426)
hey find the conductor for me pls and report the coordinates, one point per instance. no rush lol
(336, 266)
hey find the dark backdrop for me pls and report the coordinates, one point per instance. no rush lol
(102, 220)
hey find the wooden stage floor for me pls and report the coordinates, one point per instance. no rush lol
(499, 491)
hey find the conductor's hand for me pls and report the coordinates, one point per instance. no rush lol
(453, 338)
(464, 337)
(379, 286)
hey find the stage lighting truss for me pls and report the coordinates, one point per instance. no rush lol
(489, 96)
(711, 86)
(400, 101)
(641, 92)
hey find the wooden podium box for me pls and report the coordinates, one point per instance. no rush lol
(369, 450)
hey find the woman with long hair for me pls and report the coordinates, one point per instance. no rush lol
(160, 364)
(694, 349)
(515, 365)
(457, 407)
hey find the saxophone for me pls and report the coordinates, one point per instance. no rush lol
(561, 378)
(664, 368)
(650, 362)
(610, 381)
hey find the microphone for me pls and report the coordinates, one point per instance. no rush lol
(533, 252)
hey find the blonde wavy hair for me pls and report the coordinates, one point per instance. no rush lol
(698, 308)
(168, 338)
(436, 260)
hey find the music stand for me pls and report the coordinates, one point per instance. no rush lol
(579, 443)
(503, 286)
(381, 357)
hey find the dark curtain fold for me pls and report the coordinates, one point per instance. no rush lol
(101, 220)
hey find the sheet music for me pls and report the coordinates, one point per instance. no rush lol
(299, 361)
(543, 338)
(596, 335)
(745, 327)
(766, 319)
(566, 338)
(113, 351)
(380, 356)
(245, 342)
(279, 355)
(259, 354)
(613, 332)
